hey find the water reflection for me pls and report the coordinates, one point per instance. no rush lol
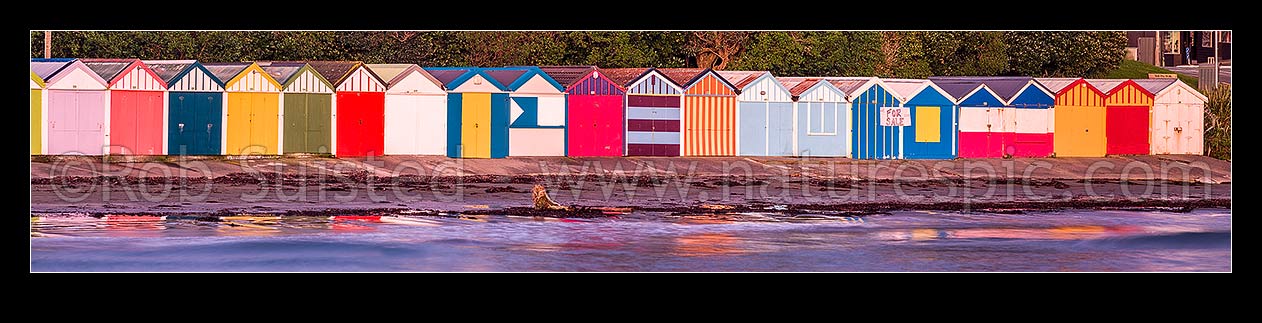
(1074, 232)
(900, 241)
(123, 225)
(248, 225)
(707, 244)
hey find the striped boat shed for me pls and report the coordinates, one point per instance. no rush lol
(1178, 117)
(537, 108)
(820, 110)
(477, 112)
(307, 114)
(358, 107)
(1128, 116)
(765, 115)
(1079, 120)
(653, 111)
(709, 112)
(77, 107)
(870, 139)
(416, 110)
(195, 107)
(932, 133)
(137, 106)
(594, 110)
(252, 108)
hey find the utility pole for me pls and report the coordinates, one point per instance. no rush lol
(48, 44)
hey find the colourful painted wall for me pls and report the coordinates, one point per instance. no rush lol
(872, 140)
(709, 118)
(595, 117)
(1080, 121)
(1128, 118)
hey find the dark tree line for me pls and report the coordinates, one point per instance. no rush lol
(886, 54)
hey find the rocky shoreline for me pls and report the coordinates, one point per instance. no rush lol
(597, 187)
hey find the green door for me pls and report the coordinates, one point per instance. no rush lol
(296, 123)
(319, 123)
(307, 123)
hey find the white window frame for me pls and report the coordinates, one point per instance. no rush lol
(811, 117)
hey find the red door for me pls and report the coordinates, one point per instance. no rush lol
(1126, 130)
(135, 123)
(361, 123)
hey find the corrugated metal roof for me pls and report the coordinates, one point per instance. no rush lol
(740, 79)
(46, 69)
(798, 85)
(849, 85)
(108, 68)
(169, 69)
(395, 70)
(957, 88)
(623, 76)
(334, 71)
(1105, 85)
(506, 76)
(1055, 84)
(1006, 87)
(226, 71)
(567, 75)
(1154, 85)
(904, 88)
(281, 71)
(682, 76)
(389, 71)
(446, 76)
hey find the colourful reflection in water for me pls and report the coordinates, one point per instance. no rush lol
(123, 225)
(707, 244)
(1074, 232)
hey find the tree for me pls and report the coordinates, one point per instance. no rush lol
(716, 49)
(1064, 53)
(964, 52)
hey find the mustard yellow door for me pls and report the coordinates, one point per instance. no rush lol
(265, 123)
(1079, 132)
(475, 125)
(37, 104)
(252, 123)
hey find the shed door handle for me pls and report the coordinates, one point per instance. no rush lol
(181, 128)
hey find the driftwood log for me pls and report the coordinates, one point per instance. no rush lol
(542, 201)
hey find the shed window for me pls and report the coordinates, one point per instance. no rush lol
(821, 118)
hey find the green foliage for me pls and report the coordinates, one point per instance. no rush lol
(811, 53)
(964, 53)
(1218, 123)
(908, 60)
(1064, 53)
(863, 53)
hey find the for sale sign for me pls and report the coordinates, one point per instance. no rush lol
(895, 116)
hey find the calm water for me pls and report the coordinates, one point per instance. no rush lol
(904, 241)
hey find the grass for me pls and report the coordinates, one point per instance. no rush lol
(1139, 70)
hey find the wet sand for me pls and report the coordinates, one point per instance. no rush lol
(603, 186)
